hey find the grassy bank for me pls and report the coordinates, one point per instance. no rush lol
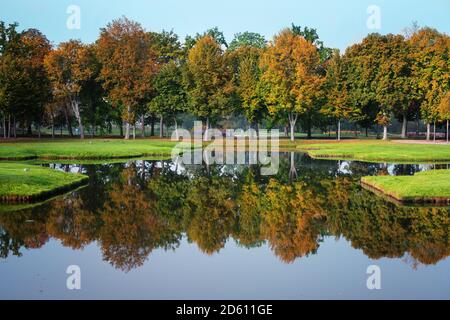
(423, 187)
(378, 151)
(23, 183)
(85, 149)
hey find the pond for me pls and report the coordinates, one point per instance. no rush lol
(160, 230)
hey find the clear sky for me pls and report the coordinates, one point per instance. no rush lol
(340, 23)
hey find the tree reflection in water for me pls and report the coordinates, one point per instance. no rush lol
(132, 209)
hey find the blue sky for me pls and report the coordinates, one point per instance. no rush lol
(340, 23)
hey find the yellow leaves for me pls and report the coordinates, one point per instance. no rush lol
(290, 66)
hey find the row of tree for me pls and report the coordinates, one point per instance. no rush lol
(130, 76)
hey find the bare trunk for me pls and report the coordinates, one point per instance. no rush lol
(9, 127)
(4, 126)
(447, 130)
(127, 130)
(292, 121)
(143, 126)
(434, 131)
(206, 138)
(68, 122)
(39, 130)
(127, 124)
(339, 130)
(134, 131)
(14, 127)
(176, 129)
(385, 133)
(428, 131)
(76, 110)
(161, 126)
(152, 127)
(404, 126)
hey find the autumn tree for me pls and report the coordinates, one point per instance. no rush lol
(69, 68)
(431, 71)
(24, 86)
(128, 65)
(208, 81)
(247, 80)
(290, 72)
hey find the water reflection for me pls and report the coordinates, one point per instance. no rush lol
(131, 209)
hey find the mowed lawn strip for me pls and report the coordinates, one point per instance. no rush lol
(377, 151)
(22, 182)
(427, 186)
(85, 149)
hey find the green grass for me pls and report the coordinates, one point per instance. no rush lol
(378, 151)
(85, 149)
(22, 182)
(427, 186)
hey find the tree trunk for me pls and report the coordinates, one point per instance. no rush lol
(39, 130)
(292, 121)
(447, 130)
(127, 130)
(339, 130)
(14, 127)
(143, 126)
(161, 126)
(367, 131)
(134, 131)
(29, 129)
(176, 128)
(53, 131)
(428, 131)
(76, 110)
(4, 126)
(434, 131)
(68, 122)
(9, 127)
(404, 126)
(385, 132)
(206, 138)
(121, 128)
(152, 127)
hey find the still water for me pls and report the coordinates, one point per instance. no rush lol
(156, 230)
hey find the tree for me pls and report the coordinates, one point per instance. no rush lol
(208, 81)
(431, 71)
(128, 64)
(290, 72)
(365, 59)
(24, 87)
(338, 105)
(247, 75)
(310, 34)
(69, 68)
(170, 99)
(247, 39)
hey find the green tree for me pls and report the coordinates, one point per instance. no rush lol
(208, 81)
(247, 39)
(170, 99)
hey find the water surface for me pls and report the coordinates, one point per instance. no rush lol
(158, 230)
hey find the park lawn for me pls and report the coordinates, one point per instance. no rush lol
(22, 182)
(427, 186)
(85, 149)
(379, 151)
